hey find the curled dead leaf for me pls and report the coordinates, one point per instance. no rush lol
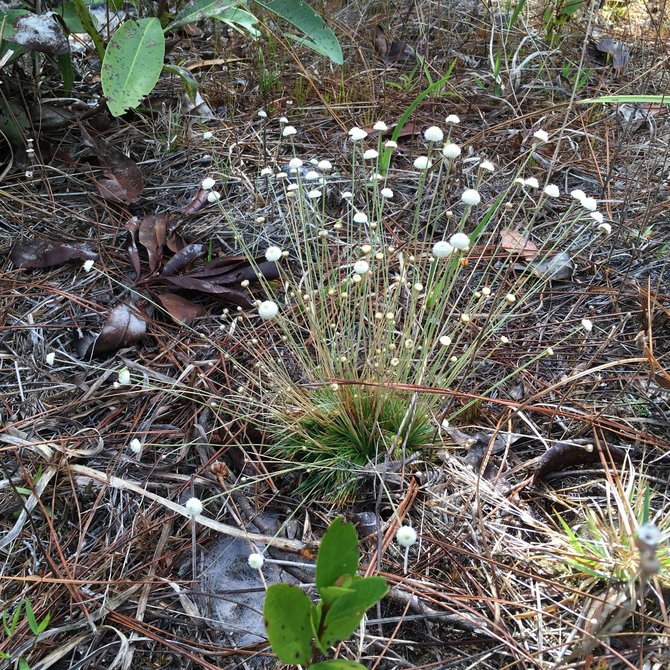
(122, 328)
(568, 454)
(516, 243)
(46, 254)
(181, 310)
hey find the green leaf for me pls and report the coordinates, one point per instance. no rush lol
(88, 23)
(329, 594)
(235, 17)
(345, 614)
(132, 64)
(319, 37)
(641, 99)
(30, 616)
(66, 71)
(287, 614)
(201, 9)
(338, 554)
(336, 664)
(189, 81)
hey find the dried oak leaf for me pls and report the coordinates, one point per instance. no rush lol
(568, 454)
(232, 296)
(183, 257)
(153, 236)
(517, 243)
(181, 310)
(46, 254)
(123, 327)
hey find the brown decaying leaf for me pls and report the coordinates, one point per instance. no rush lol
(123, 181)
(131, 246)
(392, 52)
(198, 202)
(181, 310)
(232, 270)
(568, 454)
(230, 295)
(46, 254)
(123, 327)
(153, 236)
(516, 242)
(183, 257)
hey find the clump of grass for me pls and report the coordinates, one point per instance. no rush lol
(369, 319)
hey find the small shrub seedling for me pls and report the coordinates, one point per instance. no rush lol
(298, 630)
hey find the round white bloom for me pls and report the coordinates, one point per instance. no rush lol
(433, 134)
(213, 196)
(256, 561)
(541, 135)
(361, 267)
(532, 182)
(504, 339)
(281, 175)
(194, 506)
(207, 183)
(88, 265)
(386, 193)
(370, 154)
(311, 175)
(314, 194)
(295, 163)
(50, 358)
(451, 150)
(590, 204)
(360, 217)
(324, 165)
(649, 535)
(391, 144)
(135, 446)
(272, 254)
(288, 131)
(442, 249)
(380, 126)
(283, 120)
(597, 217)
(445, 340)
(460, 241)
(510, 298)
(471, 197)
(452, 119)
(605, 228)
(406, 536)
(266, 172)
(422, 163)
(578, 194)
(207, 135)
(292, 187)
(347, 195)
(552, 191)
(268, 309)
(519, 181)
(124, 376)
(488, 166)
(262, 114)
(375, 176)
(587, 324)
(357, 134)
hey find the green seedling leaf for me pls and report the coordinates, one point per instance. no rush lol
(11, 627)
(66, 72)
(88, 23)
(287, 614)
(187, 79)
(318, 36)
(345, 614)
(330, 594)
(235, 18)
(133, 63)
(639, 99)
(338, 554)
(336, 664)
(199, 10)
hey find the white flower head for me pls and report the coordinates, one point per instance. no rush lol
(213, 196)
(375, 176)
(386, 193)
(361, 267)
(451, 150)
(289, 131)
(391, 144)
(406, 536)
(452, 119)
(360, 217)
(380, 126)
(357, 134)
(262, 114)
(587, 325)
(422, 163)
(541, 135)
(649, 535)
(50, 358)
(597, 217)
(88, 265)
(124, 376)
(578, 194)
(442, 249)
(314, 194)
(370, 154)
(532, 182)
(135, 446)
(194, 506)
(266, 172)
(460, 241)
(445, 340)
(207, 183)
(605, 228)
(433, 134)
(589, 204)
(207, 135)
(272, 254)
(487, 166)
(552, 191)
(283, 120)
(256, 561)
(347, 195)
(295, 163)
(324, 165)
(471, 197)
(312, 175)
(268, 309)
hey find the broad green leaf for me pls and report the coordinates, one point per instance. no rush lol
(338, 554)
(345, 614)
(189, 81)
(287, 614)
(71, 17)
(132, 64)
(336, 664)
(329, 594)
(318, 36)
(640, 99)
(201, 9)
(66, 71)
(88, 23)
(235, 18)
